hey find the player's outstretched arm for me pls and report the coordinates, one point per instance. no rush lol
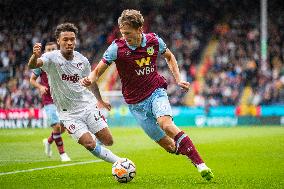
(173, 66)
(95, 74)
(42, 89)
(34, 62)
(96, 91)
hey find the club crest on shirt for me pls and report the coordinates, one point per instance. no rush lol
(150, 50)
(80, 65)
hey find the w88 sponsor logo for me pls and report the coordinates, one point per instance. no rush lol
(145, 71)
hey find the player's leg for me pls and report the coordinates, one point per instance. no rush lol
(83, 134)
(168, 144)
(143, 115)
(56, 131)
(150, 126)
(162, 111)
(98, 126)
(104, 153)
(48, 141)
(104, 136)
(183, 143)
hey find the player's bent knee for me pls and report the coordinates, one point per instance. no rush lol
(56, 127)
(165, 122)
(87, 141)
(62, 129)
(105, 137)
(108, 142)
(164, 127)
(89, 145)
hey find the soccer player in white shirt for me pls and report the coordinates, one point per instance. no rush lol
(76, 105)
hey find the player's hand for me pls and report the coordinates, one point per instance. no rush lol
(184, 85)
(86, 82)
(103, 104)
(37, 50)
(43, 90)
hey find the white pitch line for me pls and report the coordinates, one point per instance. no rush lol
(26, 161)
(49, 167)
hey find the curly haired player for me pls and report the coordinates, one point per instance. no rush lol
(76, 105)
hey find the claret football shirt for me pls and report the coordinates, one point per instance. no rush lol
(137, 66)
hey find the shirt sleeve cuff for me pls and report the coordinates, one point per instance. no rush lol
(164, 51)
(106, 62)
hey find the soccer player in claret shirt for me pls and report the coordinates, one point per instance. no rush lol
(50, 109)
(76, 105)
(143, 89)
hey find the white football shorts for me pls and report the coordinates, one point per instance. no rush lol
(88, 120)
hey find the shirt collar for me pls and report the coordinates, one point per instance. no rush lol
(143, 43)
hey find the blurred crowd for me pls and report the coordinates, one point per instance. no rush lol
(237, 61)
(23, 23)
(186, 28)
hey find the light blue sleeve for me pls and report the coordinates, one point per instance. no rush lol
(162, 45)
(37, 72)
(110, 54)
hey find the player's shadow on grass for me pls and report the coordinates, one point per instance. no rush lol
(204, 182)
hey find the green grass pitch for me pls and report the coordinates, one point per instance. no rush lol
(241, 157)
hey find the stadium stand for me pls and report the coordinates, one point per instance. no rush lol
(231, 75)
(236, 75)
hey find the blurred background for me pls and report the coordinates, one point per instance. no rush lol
(230, 51)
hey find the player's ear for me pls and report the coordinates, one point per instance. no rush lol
(57, 41)
(140, 29)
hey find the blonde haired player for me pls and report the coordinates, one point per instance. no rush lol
(144, 90)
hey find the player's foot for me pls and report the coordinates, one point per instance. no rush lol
(207, 174)
(64, 157)
(47, 147)
(205, 171)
